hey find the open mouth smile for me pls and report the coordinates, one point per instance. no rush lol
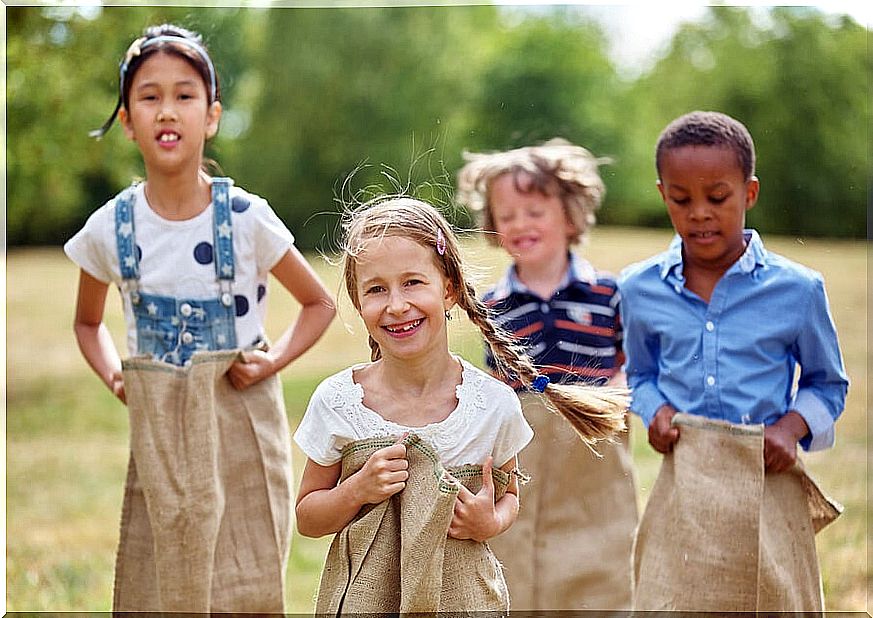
(404, 329)
(168, 138)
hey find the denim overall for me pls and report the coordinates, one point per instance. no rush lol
(171, 329)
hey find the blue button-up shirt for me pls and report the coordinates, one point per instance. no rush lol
(733, 359)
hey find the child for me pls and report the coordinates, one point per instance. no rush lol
(714, 328)
(386, 430)
(206, 516)
(536, 202)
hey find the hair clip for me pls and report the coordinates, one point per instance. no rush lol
(539, 384)
(440, 242)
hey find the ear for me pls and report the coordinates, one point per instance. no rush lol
(450, 299)
(126, 124)
(213, 116)
(753, 186)
(660, 186)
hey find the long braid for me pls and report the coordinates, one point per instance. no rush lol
(595, 413)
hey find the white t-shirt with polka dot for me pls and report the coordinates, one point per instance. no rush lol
(177, 256)
(487, 421)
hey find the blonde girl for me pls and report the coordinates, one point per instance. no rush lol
(203, 525)
(404, 273)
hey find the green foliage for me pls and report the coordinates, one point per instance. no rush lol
(393, 96)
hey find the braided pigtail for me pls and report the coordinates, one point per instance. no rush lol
(375, 350)
(595, 412)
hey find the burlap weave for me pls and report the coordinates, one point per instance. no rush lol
(206, 519)
(571, 545)
(720, 535)
(396, 556)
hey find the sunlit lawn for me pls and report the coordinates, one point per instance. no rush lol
(67, 437)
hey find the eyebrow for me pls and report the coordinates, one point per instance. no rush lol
(183, 82)
(403, 275)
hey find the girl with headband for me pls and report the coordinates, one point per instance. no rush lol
(206, 516)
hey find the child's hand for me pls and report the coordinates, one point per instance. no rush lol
(383, 475)
(662, 434)
(253, 366)
(116, 385)
(475, 516)
(780, 442)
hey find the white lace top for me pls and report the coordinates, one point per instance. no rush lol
(487, 421)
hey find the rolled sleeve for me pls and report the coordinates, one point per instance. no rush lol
(823, 384)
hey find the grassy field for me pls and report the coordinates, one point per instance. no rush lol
(66, 440)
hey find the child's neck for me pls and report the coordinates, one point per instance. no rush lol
(702, 278)
(543, 279)
(178, 197)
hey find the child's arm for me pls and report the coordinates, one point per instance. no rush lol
(477, 516)
(317, 311)
(323, 507)
(780, 442)
(93, 337)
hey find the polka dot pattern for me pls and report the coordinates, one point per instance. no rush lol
(203, 253)
(240, 204)
(262, 291)
(242, 305)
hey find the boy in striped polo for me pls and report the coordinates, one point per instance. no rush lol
(571, 546)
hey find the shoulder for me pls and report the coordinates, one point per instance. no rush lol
(242, 201)
(632, 275)
(787, 268)
(494, 392)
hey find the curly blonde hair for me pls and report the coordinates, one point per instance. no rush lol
(556, 167)
(595, 412)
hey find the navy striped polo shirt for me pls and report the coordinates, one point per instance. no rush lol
(575, 335)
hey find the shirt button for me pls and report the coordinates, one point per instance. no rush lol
(710, 380)
(185, 309)
(710, 326)
(678, 288)
(545, 308)
(187, 337)
(226, 299)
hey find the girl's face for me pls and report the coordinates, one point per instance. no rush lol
(169, 116)
(532, 227)
(403, 298)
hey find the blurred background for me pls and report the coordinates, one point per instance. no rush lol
(395, 96)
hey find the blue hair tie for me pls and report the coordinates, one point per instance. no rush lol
(539, 384)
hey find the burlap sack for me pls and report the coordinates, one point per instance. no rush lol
(396, 556)
(571, 545)
(720, 535)
(206, 519)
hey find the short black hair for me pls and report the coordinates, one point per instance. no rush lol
(708, 129)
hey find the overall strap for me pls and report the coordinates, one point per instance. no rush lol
(125, 239)
(222, 228)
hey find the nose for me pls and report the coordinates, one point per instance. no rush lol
(166, 113)
(700, 210)
(397, 303)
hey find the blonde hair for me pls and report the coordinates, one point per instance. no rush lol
(596, 413)
(555, 167)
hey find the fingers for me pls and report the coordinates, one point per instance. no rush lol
(487, 479)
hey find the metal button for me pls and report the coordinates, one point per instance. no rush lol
(710, 380)
(187, 337)
(185, 309)
(710, 326)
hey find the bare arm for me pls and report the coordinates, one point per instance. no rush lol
(318, 309)
(323, 507)
(93, 337)
(478, 516)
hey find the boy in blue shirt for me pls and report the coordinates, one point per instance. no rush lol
(716, 325)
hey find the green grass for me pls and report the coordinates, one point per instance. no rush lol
(66, 445)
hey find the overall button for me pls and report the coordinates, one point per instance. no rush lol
(185, 309)
(187, 337)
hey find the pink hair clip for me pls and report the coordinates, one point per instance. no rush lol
(440, 242)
